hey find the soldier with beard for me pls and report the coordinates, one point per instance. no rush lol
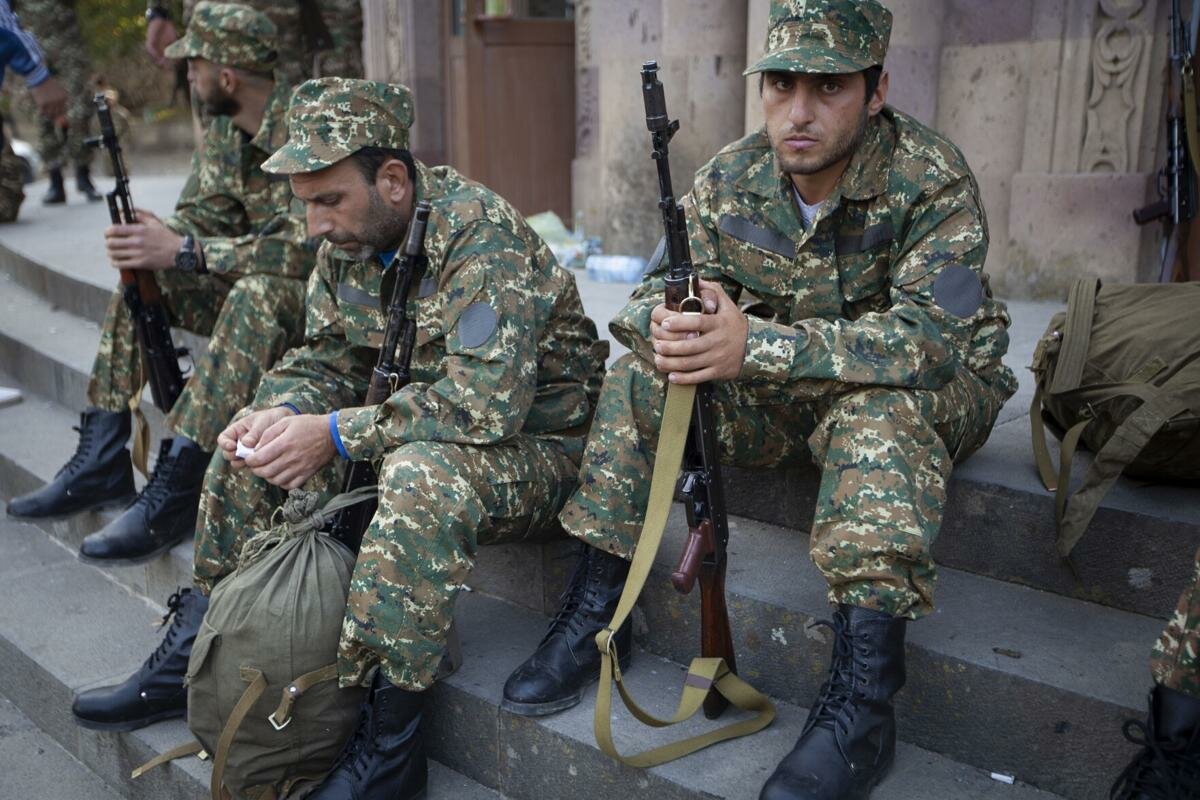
(232, 263)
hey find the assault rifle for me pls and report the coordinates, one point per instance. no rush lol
(1177, 179)
(704, 554)
(138, 286)
(391, 372)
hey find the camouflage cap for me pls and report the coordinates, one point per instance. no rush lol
(228, 33)
(825, 36)
(331, 118)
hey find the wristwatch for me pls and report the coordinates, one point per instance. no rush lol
(187, 259)
(157, 12)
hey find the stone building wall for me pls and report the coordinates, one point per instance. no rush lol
(1057, 105)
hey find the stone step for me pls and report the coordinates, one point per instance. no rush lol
(1002, 676)
(35, 766)
(65, 626)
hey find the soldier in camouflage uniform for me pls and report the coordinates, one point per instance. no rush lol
(294, 21)
(873, 347)
(55, 25)
(231, 262)
(482, 446)
(1169, 763)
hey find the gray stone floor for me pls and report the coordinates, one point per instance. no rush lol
(34, 767)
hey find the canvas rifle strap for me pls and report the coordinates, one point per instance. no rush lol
(704, 673)
(141, 428)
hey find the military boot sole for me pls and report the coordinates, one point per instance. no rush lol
(107, 504)
(561, 704)
(125, 725)
(130, 561)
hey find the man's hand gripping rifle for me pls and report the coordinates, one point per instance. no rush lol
(140, 291)
(704, 554)
(391, 372)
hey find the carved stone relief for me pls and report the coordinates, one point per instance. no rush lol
(1117, 94)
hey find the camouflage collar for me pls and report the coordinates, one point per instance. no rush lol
(273, 131)
(865, 177)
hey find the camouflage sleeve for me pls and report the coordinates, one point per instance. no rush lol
(631, 325)
(490, 368)
(327, 371)
(210, 209)
(916, 342)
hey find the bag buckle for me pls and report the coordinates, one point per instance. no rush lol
(276, 725)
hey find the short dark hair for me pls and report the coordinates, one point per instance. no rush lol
(370, 159)
(871, 76)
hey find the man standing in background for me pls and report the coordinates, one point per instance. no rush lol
(19, 51)
(315, 38)
(63, 138)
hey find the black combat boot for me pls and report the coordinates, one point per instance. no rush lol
(567, 660)
(98, 476)
(83, 184)
(57, 193)
(849, 739)
(163, 514)
(385, 758)
(1169, 765)
(156, 690)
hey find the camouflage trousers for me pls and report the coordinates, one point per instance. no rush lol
(438, 502)
(12, 190)
(1175, 661)
(885, 456)
(250, 323)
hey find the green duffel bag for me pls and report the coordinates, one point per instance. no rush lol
(1119, 373)
(263, 696)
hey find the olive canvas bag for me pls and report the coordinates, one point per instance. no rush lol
(1119, 373)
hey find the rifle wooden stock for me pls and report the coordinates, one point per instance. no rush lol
(716, 637)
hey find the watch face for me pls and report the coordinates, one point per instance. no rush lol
(186, 260)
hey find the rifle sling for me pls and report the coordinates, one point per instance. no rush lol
(703, 672)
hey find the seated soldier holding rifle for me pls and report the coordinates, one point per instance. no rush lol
(231, 264)
(875, 350)
(482, 446)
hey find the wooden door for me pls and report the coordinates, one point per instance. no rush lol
(510, 115)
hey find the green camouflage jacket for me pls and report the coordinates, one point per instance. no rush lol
(247, 221)
(502, 345)
(856, 298)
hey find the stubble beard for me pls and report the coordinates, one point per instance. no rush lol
(221, 104)
(382, 229)
(844, 147)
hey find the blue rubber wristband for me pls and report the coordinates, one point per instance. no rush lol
(289, 407)
(337, 437)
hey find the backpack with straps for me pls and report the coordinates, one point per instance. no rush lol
(263, 696)
(1118, 372)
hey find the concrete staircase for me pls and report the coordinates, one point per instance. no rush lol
(1022, 670)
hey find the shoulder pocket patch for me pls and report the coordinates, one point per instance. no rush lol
(477, 324)
(958, 290)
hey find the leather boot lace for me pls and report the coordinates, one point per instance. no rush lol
(167, 645)
(83, 452)
(161, 483)
(835, 706)
(566, 620)
(1164, 770)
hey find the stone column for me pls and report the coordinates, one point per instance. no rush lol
(402, 43)
(700, 49)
